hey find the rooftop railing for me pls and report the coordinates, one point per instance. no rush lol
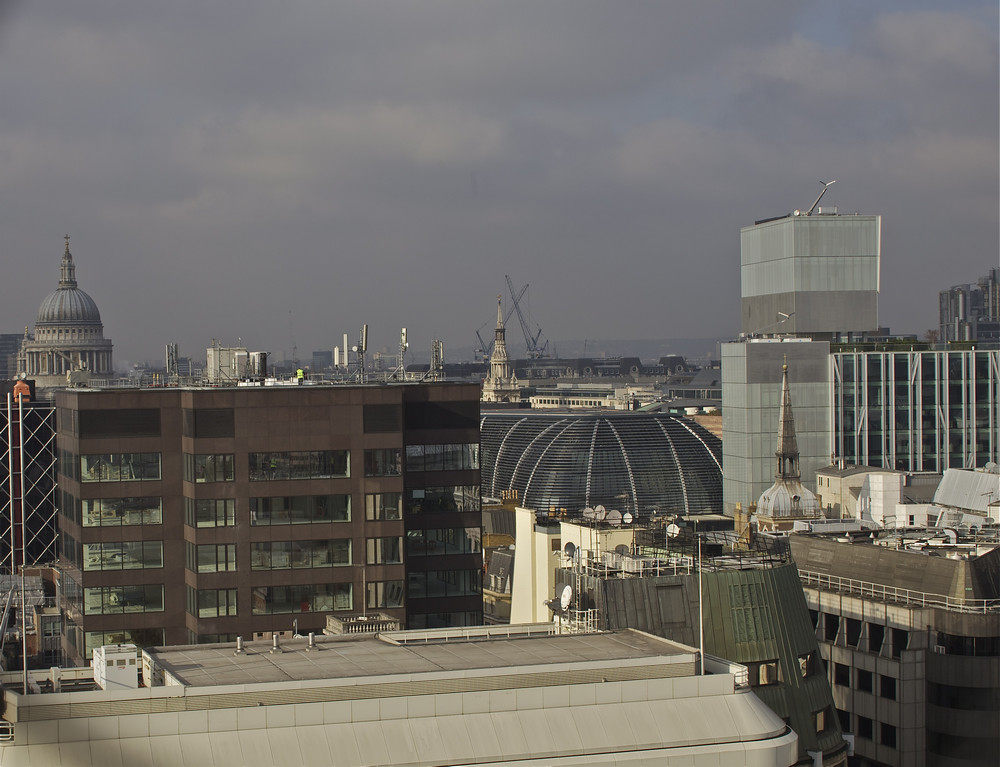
(883, 593)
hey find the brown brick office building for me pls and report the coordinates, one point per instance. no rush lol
(201, 514)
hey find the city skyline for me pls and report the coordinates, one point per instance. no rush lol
(284, 175)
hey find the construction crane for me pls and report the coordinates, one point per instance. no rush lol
(531, 336)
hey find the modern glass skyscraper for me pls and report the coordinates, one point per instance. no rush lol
(921, 410)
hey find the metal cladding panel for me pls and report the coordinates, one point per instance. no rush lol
(625, 461)
(760, 615)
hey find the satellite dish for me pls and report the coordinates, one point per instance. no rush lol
(569, 550)
(566, 597)
(673, 530)
(622, 549)
(627, 517)
(614, 517)
(600, 513)
(588, 513)
(599, 509)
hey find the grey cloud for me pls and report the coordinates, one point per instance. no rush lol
(279, 171)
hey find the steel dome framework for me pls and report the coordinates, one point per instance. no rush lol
(635, 462)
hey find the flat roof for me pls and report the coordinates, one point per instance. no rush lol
(404, 652)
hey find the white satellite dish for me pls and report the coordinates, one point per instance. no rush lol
(566, 597)
(673, 530)
(600, 513)
(588, 513)
(599, 509)
(614, 517)
(627, 517)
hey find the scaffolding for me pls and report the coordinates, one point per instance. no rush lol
(28, 497)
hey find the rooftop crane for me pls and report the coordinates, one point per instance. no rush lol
(531, 337)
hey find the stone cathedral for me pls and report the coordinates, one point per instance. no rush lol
(68, 336)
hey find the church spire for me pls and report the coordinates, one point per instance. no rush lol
(67, 270)
(787, 451)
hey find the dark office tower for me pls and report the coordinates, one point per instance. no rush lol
(202, 514)
(27, 478)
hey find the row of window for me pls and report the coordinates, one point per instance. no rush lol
(115, 512)
(323, 597)
(211, 558)
(221, 512)
(211, 603)
(209, 467)
(866, 730)
(443, 620)
(210, 512)
(382, 506)
(115, 600)
(445, 583)
(286, 555)
(451, 457)
(861, 635)
(271, 555)
(435, 500)
(300, 509)
(315, 464)
(865, 680)
(123, 555)
(448, 540)
(318, 464)
(119, 467)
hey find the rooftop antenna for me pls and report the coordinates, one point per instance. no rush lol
(826, 185)
(400, 373)
(360, 350)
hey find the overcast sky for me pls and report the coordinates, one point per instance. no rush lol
(283, 171)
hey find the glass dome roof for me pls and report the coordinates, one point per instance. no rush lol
(627, 461)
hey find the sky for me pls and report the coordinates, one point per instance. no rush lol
(282, 172)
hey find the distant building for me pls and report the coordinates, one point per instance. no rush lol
(199, 514)
(815, 275)
(972, 312)
(322, 360)
(895, 499)
(10, 345)
(838, 487)
(68, 335)
(706, 384)
(909, 629)
(569, 394)
(490, 696)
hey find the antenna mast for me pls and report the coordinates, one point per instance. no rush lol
(826, 185)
